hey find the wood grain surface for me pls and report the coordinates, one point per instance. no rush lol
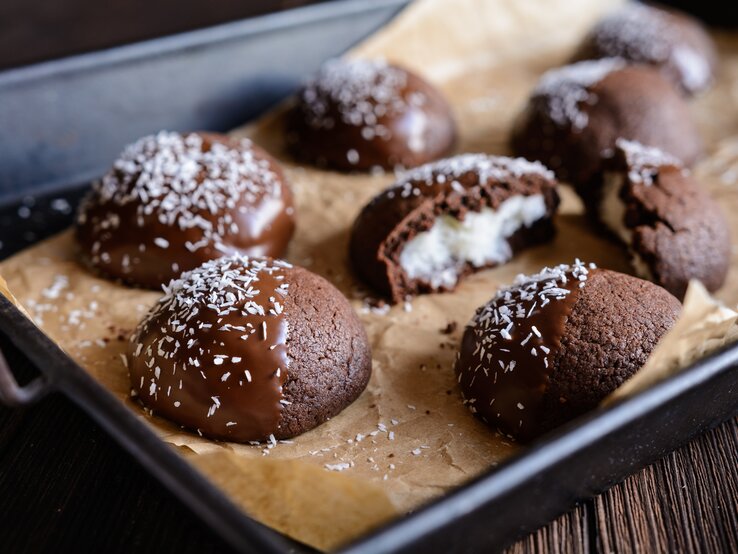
(686, 502)
(65, 486)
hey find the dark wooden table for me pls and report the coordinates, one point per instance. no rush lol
(66, 487)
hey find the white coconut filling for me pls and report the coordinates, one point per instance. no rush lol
(437, 255)
(612, 214)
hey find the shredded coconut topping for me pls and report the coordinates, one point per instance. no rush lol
(645, 34)
(496, 323)
(223, 286)
(202, 299)
(562, 90)
(488, 168)
(635, 32)
(644, 161)
(694, 68)
(363, 91)
(184, 182)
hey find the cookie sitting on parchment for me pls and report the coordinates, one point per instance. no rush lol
(577, 112)
(249, 349)
(553, 345)
(445, 220)
(673, 229)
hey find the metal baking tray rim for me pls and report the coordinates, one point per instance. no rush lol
(191, 40)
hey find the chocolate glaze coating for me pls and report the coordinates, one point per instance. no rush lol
(576, 113)
(357, 115)
(669, 221)
(249, 349)
(669, 40)
(455, 186)
(173, 201)
(553, 345)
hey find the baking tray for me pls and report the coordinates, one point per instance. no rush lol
(55, 135)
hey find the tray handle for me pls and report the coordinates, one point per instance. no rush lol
(14, 395)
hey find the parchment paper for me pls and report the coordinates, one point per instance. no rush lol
(408, 438)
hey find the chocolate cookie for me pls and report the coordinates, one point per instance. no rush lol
(673, 229)
(553, 345)
(671, 41)
(357, 115)
(249, 349)
(447, 219)
(577, 112)
(173, 201)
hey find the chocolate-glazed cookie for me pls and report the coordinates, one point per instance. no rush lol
(553, 345)
(446, 219)
(577, 112)
(673, 42)
(173, 201)
(672, 228)
(357, 115)
(249, 349)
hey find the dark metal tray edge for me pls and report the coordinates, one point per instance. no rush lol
(187, 40)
